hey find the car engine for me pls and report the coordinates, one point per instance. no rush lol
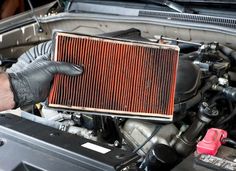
(205, 90)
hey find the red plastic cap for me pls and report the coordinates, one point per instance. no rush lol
(211, 142)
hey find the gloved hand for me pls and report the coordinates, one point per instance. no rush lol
(41, 51)
(32, 85)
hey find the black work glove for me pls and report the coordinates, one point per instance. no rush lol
(32, 85)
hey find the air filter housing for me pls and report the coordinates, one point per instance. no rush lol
(121, 77)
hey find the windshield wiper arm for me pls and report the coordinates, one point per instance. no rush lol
(173, 5)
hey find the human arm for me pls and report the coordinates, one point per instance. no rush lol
(6, 94)
(11, 7)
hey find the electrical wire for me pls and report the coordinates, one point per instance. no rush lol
(148, 139)
(59, 3)
(34, 15)
(229, 141)
(144, 143)
(232, 114)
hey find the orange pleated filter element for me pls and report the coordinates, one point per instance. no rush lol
(122, 78)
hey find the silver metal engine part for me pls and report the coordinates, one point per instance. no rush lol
(66, 125)
(88, 134)
(136, 132)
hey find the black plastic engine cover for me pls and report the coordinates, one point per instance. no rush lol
(188, 81)
(26, 145)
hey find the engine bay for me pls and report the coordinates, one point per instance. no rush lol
(205, 90)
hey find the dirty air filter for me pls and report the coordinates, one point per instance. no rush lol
(124, 78)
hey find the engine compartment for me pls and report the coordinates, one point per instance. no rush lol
(205, 88)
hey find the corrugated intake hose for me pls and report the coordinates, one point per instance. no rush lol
(228, 52)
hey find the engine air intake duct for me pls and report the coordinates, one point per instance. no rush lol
(121, 77)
